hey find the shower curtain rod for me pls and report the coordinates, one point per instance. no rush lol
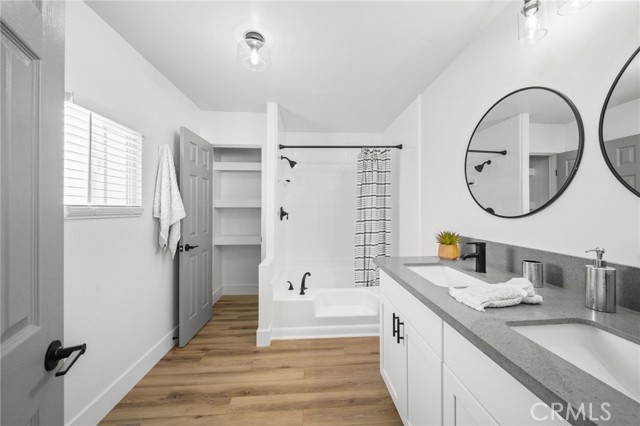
(503, 152)
(340, 146)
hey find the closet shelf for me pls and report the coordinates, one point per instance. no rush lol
(237, 204)
(237, 240)
(232, 166)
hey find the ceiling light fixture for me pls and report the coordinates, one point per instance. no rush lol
(253, 53)
(568, 7)
(531, 22)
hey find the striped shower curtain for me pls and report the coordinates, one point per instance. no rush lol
(373, 218)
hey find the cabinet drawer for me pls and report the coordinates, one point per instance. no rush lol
(426, 323)
(508, 401)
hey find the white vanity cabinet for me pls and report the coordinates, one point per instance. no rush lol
(392, 356)
(459, 407)
(409, 365)
(437, 377)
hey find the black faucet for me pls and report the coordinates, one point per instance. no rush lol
(303, 286)
(480, 255)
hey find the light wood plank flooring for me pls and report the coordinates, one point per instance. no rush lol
(222, 378)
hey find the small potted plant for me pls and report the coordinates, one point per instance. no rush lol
(448, 248)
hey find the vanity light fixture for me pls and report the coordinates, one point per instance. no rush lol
(253, 54)
(479, 167)
(532, 24)
(569, 7)
(292, 163)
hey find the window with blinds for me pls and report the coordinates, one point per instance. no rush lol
(102, 160)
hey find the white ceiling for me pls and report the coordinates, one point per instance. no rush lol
(337, 66)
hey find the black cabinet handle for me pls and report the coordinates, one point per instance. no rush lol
(55, 353)
(188, 247)
(399, 337)
(393, 325)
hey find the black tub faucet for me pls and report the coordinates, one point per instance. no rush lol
(303, 286)
(480, 255)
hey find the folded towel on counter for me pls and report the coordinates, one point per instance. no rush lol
(513, 292)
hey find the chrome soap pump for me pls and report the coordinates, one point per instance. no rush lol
(601, 284)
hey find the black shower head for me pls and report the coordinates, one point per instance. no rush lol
(292, 163)
(479, 167)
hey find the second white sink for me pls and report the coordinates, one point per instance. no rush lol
(445, 276)
(610, 358)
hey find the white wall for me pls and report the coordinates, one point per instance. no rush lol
(580, 57)
(406, 180)
(234, 128)
(120, 289)
(502, 184)
(622, 120)
(321, 201)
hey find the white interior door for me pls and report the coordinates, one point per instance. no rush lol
(31, 215)
(195, 293)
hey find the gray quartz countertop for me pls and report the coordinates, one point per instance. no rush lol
(549, 377)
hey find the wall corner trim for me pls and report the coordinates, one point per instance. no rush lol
(109, 398)
(263, 338)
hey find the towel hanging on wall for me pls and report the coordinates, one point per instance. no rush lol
(167, 202)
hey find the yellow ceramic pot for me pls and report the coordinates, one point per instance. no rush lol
(448, 252)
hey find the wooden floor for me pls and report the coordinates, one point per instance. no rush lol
(222, 378)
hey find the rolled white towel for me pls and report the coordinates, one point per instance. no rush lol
(513, 292)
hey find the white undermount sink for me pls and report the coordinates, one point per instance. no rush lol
(445, 276)
(610, 358)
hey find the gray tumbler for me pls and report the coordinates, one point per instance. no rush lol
(534, 272)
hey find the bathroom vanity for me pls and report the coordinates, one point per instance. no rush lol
(445, 363)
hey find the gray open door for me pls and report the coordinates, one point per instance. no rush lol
(31, 215)
(195, 292)
(624, 156)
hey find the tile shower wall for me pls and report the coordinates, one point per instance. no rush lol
(561, 270)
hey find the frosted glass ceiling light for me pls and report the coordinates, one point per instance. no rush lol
(252, 52)
(568, 7)
(532, 25)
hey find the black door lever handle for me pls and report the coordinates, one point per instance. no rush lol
(56, 353)
(188, 247)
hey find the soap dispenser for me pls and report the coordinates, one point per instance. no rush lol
(601, 284)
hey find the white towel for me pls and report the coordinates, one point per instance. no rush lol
(167, 203)
(513, 292)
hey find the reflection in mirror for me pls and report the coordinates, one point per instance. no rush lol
(620, 125)
(524, 152)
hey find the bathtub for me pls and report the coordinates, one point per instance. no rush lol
(325, 312)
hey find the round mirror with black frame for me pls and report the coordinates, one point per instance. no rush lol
(620, 125)
(524, 152)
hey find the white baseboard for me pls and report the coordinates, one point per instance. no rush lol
(239, 289)
(103, 404)
(217, 294)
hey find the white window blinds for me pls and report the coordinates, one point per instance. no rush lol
(102, 160)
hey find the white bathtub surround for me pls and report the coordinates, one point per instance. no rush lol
(373, 214)
(324, 312)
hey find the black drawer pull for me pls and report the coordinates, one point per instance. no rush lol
(399, 337)
(393, 326)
